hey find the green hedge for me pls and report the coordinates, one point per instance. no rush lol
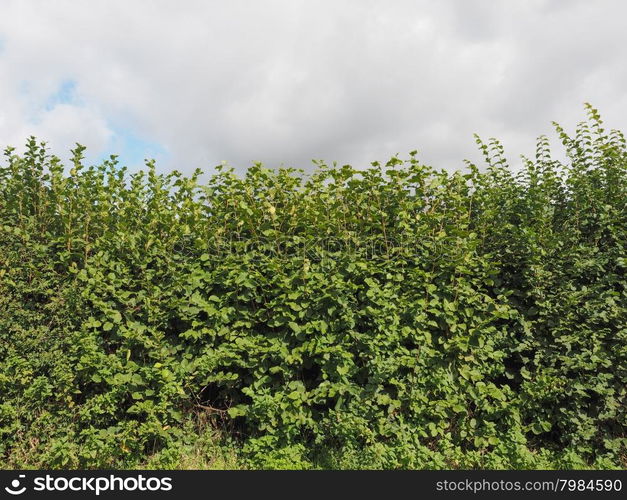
(395, 316)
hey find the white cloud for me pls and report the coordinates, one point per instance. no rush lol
(66, 124)
(288, 81)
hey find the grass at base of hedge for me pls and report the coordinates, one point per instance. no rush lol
(204, 447)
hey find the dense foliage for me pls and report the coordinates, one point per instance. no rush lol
(396, 316)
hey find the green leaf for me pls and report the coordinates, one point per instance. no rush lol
(237, 411)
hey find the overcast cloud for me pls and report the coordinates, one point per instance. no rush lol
(195, 83)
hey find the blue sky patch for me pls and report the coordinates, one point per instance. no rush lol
(132, 149)
(65, 94)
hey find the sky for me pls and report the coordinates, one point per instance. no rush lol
(197, 83)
